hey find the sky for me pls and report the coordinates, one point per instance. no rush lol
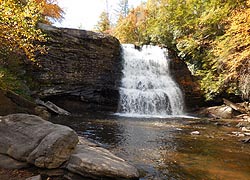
(84, 14)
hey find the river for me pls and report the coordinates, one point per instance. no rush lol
(164, 149)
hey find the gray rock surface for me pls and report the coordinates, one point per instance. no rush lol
(9, 163)
(99, 162)
(223, 112)
(79, 63)
(38, 177)
(31, 139)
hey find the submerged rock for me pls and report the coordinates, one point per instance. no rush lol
(31, 139)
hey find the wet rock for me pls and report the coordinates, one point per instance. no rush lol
(245, 129)
(189, 85)
(243, 117)
(241, 135)
(9, 163)
(31, 139)
(221, 112)
(195, 133)
(235, 133)
(246, 140)
(222, 124)
(38, 177)
(99, 162)
(242, 124)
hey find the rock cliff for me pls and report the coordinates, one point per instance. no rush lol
(190, 87)
(82, 70)
(80, 65)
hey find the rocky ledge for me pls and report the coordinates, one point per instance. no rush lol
(29, 140)
(79, 66)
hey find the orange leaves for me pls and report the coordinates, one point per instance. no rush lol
(50, 9)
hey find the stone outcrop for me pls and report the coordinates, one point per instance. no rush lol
(191, 89)
(223, 112)
(31, 139)
(12, 103)
(28, 139)
(80, 65)
(95, 161)
(84, 66)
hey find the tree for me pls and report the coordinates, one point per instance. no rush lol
(202, 35)
(130, 29)
(232, 52)
(18, 32)
(18, 25)
(51, 11)
(122, 9)
(103, 24)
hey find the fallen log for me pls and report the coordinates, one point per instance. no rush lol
(236, 107)
(51, 106)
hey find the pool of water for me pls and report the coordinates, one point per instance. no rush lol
(164, 149)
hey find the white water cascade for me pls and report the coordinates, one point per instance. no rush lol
(147, 89)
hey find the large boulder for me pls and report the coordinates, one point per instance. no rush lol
(79, 66)
(223, 112)
(31, 139)
(93, 161)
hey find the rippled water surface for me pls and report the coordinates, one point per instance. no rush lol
(163, 148)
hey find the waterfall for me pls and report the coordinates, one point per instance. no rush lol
(147, 89)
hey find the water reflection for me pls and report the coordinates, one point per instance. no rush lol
(164, 149)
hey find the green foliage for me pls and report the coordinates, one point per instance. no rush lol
(10, 81)
(211, 35)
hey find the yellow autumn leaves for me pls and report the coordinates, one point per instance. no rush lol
(18, 30)
(18, 25)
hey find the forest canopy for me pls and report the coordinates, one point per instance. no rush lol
(19, 34)
(18, 25)
(211, 36)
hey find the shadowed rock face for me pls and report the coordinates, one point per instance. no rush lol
(190, 87)
(81, 64)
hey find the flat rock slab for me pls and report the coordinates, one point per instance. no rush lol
(31, 139)
(38, 177)
(223, 112)
(99, 162)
